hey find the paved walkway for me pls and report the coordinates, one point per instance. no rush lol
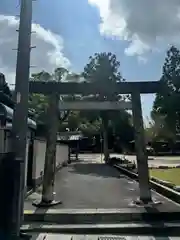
(91, 184)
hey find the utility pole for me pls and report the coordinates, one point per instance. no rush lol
(20, 116)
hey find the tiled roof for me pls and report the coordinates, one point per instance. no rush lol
(69, 138)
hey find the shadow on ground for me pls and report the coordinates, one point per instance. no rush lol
(94, 169)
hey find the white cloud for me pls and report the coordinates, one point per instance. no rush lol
(146, 25)
(47, 55)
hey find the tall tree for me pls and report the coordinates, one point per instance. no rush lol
(166, 100)
(121, 125)
(157, 130)
(103, 69)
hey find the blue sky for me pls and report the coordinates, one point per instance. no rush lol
(77, 22)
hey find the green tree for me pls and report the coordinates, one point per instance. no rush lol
(39, 102)
(165, 104)
(155, 129)
(158, 130)
(103, 69)
(90, 128)
(121, 125)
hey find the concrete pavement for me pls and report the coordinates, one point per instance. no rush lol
(90, 184)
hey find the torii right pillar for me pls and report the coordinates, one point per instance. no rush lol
(141, 155)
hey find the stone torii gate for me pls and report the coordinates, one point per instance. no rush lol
(133, 88)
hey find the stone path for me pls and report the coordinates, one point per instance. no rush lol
(90, 184)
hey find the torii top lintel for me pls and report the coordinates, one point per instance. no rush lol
(93, 88)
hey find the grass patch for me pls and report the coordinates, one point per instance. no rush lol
(171, 175)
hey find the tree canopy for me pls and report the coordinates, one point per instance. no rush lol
(102, 69)
(165, 104)
(39, 102)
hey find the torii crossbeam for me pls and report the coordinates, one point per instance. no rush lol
(94, 88)
(85, 105)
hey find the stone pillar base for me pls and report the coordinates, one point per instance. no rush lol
(42, 204)
(25, 236)
(145, 203)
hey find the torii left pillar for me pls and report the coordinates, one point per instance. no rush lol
(50, 158)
